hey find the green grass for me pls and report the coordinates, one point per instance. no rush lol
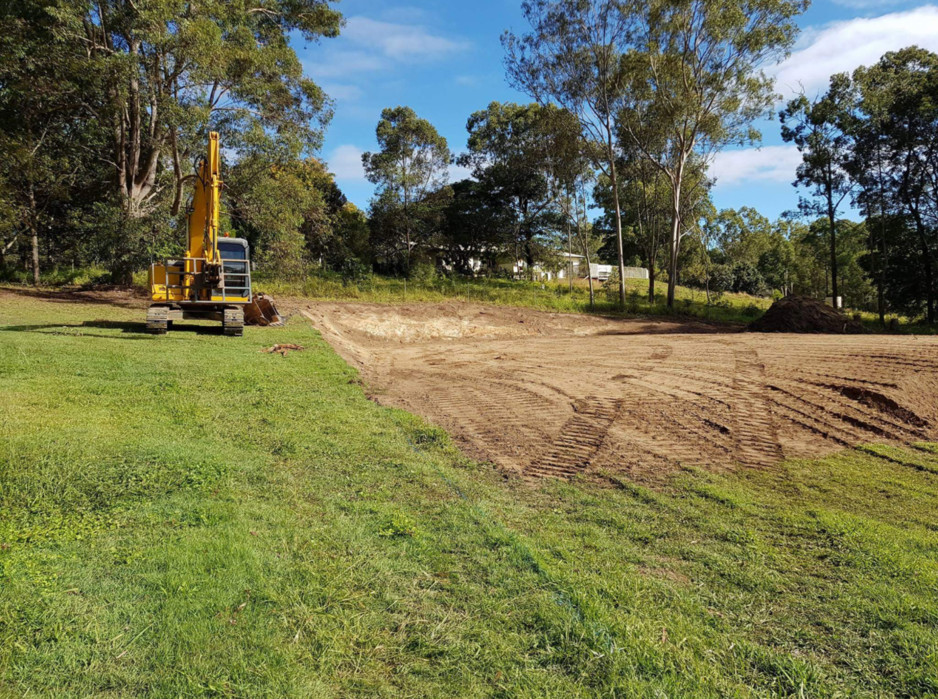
(187, 516)
(547, 296)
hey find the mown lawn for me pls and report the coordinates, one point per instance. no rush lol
(187, 516)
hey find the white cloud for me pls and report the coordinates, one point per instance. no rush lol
(775, 164)
(341, 63)
(843, 46)
(345, 163)
(400, 41)
(374, 45)
(343, 92)
(458, 172)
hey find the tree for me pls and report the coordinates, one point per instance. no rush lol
(289, 211)
(897, 128)
(817, 129)
(587, 242)
(572, 58)
(694, 71)
(411, 164)
(42, 140)
(478, 226)
(523, 156)
(742, 236)
(647, 194)
(167, 71)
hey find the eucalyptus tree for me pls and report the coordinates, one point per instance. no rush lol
(170, 70)
(524, 156)
(897, 126)
(817, 128)
(478, 227)
(695, 72)
(572, 58)
(647, 193)
(43, 140)
(869, 169)
(412, 164)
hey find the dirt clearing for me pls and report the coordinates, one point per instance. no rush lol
(547, 394)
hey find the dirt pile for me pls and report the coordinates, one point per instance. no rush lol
(798, 314)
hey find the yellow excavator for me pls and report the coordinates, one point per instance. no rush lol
(213, 280)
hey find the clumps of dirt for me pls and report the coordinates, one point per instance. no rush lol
(877, 401)
(799, 314)
(283, 350)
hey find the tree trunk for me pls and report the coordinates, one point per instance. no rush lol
(4, 249)
(615, 197)
(589, 279)
(879, 255)
(584, 239)
(34, 235)
(927, 268)
(34, 239)
(569, 251)
(651, 283)
(831, 217)
(406, 235)
(676, 184)
(675, 249)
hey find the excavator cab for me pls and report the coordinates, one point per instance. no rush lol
(213, 280)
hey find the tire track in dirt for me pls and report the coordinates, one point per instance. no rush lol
(554, 395)
(579, 440)
(754, 424)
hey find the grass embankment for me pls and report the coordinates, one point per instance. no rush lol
(546, 296)
(186, 516)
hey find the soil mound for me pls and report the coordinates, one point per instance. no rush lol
(798, 314)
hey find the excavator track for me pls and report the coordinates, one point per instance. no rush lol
(158, 321)
(233, 321)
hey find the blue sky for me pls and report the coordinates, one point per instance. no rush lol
(444, 60)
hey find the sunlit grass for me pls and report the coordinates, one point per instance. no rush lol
(187, 516)
(548, 296)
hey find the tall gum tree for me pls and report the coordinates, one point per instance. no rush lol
(525, 154)
(897, 117)
(43, 140)
(170, 70)
(816, 129)
(572, 58)
(695, 70)
(411, 164)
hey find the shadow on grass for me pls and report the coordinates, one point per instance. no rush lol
(132, 328)
(122, 297)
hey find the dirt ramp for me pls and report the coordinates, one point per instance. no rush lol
(560, 395)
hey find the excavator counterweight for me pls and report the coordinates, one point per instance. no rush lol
(213, 280)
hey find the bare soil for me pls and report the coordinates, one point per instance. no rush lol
(556, 395)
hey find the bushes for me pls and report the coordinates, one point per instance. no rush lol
(748, 280)
(60, 276)
(741, 278)
(423, 273)
(721, 278)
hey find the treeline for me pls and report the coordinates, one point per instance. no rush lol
(873, 138)
(104, 108)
